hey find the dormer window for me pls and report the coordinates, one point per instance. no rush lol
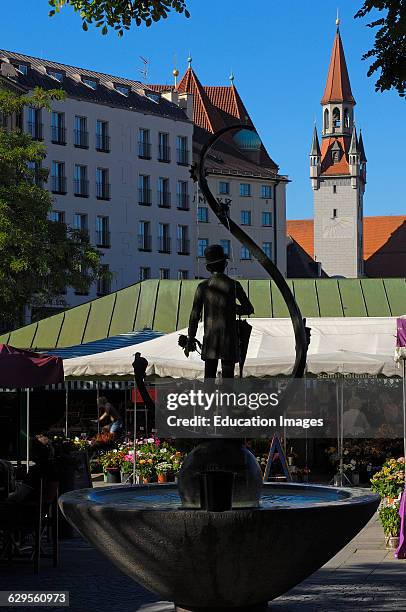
(122, 89)
(335, 153)
(155, 97)
(90, 83)
(23, 68)
(55, 74)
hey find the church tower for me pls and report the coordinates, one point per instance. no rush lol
(338, 175)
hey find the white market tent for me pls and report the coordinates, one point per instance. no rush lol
(350, 345)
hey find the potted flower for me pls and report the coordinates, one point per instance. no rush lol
(111, 462)
(127, 467)
(145, 468)
(389, 482)
(162, 468)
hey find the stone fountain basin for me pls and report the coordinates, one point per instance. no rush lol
(237, 558)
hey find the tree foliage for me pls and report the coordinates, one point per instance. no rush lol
(120, 14)
(389, 50)
(38, 257)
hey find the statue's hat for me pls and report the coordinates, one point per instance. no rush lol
(214, 254)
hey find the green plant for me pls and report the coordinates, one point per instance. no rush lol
(163, 467)
(390, 519)
(390, 480)
(112, 459)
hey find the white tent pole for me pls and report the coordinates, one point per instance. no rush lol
(135, 432)
(28, 428)
(97, 404)
(341, 431)
(66, 409)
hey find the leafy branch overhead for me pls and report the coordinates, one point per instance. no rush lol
(119, 14)
(389, 51)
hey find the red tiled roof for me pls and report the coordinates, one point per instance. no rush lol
(205, 114)
(327, 166)
(384, 243)
(338, 88)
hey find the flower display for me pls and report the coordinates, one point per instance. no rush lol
(389, 482)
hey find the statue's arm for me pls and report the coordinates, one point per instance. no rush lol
(196, 312)
(244, 307)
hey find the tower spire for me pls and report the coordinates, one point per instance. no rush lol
(315, 148)
(338, 88)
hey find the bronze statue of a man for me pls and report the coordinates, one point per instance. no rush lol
(217, 296)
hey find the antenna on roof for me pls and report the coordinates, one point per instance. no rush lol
(145, 69)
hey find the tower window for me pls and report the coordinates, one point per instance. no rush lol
(346, 118)
(334, 188)
(334, 215)
(336, 117)
(326, 120)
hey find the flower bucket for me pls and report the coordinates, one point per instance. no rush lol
(113, 475)
(392, 542)
(162, 478)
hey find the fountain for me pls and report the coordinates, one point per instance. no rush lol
(221, 540)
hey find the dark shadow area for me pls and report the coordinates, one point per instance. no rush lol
(389, 260)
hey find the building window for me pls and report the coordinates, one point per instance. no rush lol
(58, 130)
(182, 195)
(90, 83)
(55, 74)
(267, 249)
(58, 179)
(144, 236)
(36, 170)
(35, 123)
(164, 273)
(80, 222)
(164, 151)
(164, 194)
(145, 273)
(164, 240)
(334, 215)
(183, 240)
(226, 247)
(326, 120)
(81, 135)
(202, 245)
(102, 184)
(183, 274)
(102, 136)
(334, 188)
(245, 217)
(102, 232)
(122, 89)
(182, 152)
(23, 69)
(224, 188)
(336, 117)
(203, 214)
(104, 281)
(245, 190)
(144, 190)
(266, 219)
(58, 216)
(144, 144)
(245, 254)
(81, 184)
(266, 192)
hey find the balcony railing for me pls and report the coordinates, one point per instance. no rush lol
(144, 197)
(144, 242)
(58, 184)
(164, 244)
(58, 134)
(183, 201)
(144, 150)
(81, 139)
(103, 143)
(103, 239)
(183, 157)
(183, 246)
(35, 129)
(103, 191)
(164, 153)
(164, 199)
(81, 188)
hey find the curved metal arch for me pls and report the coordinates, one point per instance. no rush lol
(301, 337)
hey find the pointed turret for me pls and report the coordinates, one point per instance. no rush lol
(338, 88)
(315, 159)
(353, 150)
(354, 158)
(363, 157)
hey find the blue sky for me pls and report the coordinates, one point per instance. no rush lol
(279, 53)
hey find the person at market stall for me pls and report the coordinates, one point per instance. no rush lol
(111, 414)
(221, 299)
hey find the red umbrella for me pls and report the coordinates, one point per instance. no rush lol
(23, 369)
